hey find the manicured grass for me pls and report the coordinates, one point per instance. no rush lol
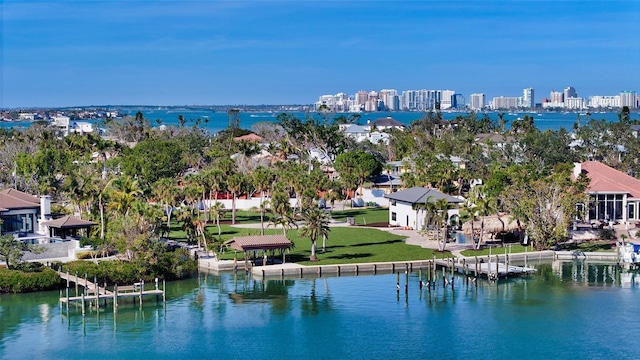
(362, 216)
(591, 246)
(347, 245)
(495, 250)
(227, 231)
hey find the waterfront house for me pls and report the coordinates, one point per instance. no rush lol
(25, 215)
(494, 139)
(354, 131)
(613, 195)
(387, 123)
(406, 207)
(22, 213)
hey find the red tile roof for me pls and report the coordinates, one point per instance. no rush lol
(15, 199)
(607, 179)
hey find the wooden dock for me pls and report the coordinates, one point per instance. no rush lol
(92, 292)
(90, 287)
(493, 267)
(490, 270)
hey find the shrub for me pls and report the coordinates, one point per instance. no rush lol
(29, 266)
(607, 234)
(169, 265)
(17, 281)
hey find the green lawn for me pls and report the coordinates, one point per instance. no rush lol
(344, 245)
(363, 216)
(347, 245)
(589, 246)
(515, 248)
(227, 231)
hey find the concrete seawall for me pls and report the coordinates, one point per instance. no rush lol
(296, 270)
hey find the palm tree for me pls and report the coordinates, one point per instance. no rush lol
(235, 183)
(217, 210)
(166, 192)
(124, 191)
(442, 207)
(486, 206)
(468, 213)
(316, 225)
(286, 221)
(262, 179)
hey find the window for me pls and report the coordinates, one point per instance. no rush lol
(393, 216)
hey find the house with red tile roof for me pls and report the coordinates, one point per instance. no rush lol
(613, 195)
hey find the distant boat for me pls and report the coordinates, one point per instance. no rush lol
(538, 114)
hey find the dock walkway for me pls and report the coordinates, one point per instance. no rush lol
(94, 292)
(480, 268)
(90, 287)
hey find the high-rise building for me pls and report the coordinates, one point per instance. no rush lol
(628, 98)
(458, 101)
(390, 99)
(477, 101)
(569, 92)
(528, 100)
(600, 101)
(409, 100)
(373, 103)
(503, 102)
(446, 99)
(575, 103)
(556, 97)
(361, 97)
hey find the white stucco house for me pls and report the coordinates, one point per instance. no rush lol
(405, 206)
(29, 216)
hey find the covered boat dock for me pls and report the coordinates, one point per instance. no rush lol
(260, 243)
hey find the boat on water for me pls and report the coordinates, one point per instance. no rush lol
(629, 253)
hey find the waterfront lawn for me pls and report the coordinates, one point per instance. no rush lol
(516, 248)
(347, 245)
(591, 246)
(362, 216)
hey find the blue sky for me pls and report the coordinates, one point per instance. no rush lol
(68, 53)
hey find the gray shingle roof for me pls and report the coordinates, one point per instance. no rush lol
(387, 122)
(418, 195)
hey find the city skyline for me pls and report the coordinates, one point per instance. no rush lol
(431, 99)
(68, 53)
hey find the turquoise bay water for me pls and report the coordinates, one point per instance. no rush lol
(216, 121)
(567, 310)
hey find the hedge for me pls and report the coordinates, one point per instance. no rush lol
(18, 281)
